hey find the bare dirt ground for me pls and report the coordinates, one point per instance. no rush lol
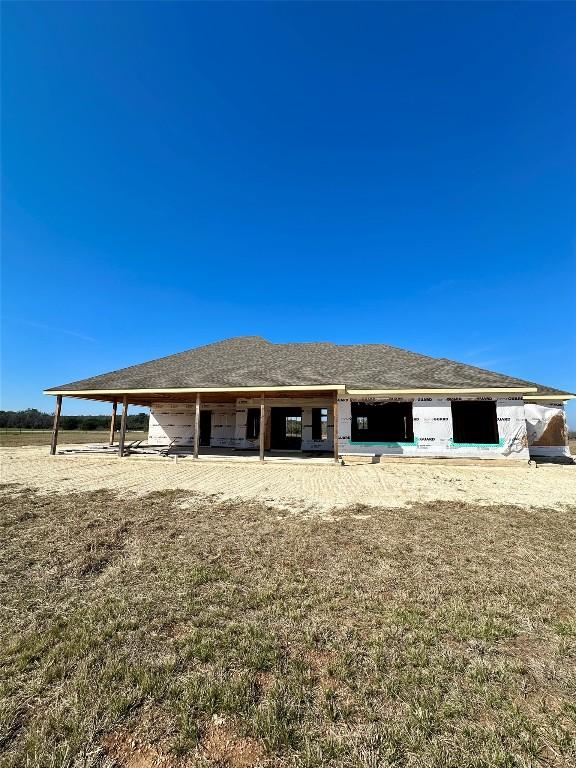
(315, 487)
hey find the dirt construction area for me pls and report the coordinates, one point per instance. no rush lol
(303, 486)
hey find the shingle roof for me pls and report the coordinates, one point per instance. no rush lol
(251, 361)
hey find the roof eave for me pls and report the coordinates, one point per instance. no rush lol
(554, 396)
(444, 391)
(194, 390)
(111, 392)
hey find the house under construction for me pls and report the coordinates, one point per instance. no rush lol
(248, 394)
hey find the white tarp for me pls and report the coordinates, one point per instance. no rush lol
(547, 430)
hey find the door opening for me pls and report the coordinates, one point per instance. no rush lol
(286, 429)
(205, 427)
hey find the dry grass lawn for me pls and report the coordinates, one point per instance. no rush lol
(180, 630)
(15, 438)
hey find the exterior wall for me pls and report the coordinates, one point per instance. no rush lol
(547, 429)
(223, 425)
(432, 419)
(175, 421)
(525, 429)
(171, 421)
(292, 402)
(308, 444)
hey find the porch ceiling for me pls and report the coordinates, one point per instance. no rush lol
(147, 399)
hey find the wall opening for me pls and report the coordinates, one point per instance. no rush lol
(205, 428)
(474, 422)
(319, 424)
(286, 428)
(382, 423)
(293, 427)
(253, 424)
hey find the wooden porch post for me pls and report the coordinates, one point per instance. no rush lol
(197, 426)
(56, 426)
(335, 428)
(122, 437)
(113, 421)
(262, 428)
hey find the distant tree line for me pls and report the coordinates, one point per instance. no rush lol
(31, 418)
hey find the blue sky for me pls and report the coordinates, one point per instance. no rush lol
(177, 173)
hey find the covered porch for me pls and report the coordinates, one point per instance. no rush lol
(256, 424)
